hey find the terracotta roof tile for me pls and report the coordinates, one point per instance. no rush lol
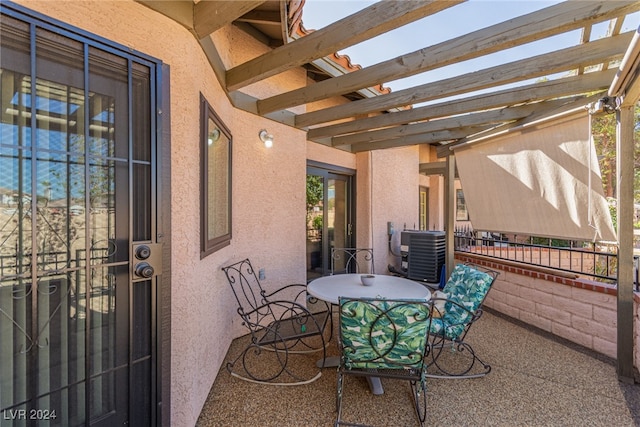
(296, 27)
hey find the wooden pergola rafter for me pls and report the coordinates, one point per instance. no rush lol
(389, 119)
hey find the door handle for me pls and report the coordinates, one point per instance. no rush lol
(143, 252)
(146, 261)
(144, 270)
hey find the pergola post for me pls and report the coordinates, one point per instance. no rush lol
(624, 178)
(450, 211)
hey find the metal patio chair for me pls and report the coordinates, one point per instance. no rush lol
(352, 260)
(453, 316)
(386, 338)
(279, 328)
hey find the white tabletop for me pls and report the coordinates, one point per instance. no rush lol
(330, 288)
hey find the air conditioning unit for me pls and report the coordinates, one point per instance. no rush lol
(423, 254)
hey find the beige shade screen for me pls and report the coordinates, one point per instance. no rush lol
(537, 181)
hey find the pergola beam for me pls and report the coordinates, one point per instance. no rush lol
(265, 17)
(370, 22)
(210, 16)
(543, 110)
(538, 91)
(205, 17)
(423, 138)
(466, 120)
(433, 168)
(572, 58)
(557, 19)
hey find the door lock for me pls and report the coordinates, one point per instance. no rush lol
(143, 252)
(146, 261)
(143, 269)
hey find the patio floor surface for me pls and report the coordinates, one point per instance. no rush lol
(536, 380)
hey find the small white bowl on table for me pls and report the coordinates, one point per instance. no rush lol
(367, 279)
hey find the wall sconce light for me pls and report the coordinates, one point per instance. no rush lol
(213, 137)
(266, 137)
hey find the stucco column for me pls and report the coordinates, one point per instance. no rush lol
(364, 200)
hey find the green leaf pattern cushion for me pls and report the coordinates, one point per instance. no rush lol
(468, 287)
(383, 334)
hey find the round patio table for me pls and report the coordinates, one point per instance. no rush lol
(331, 288)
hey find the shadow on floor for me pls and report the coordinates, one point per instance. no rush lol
(536, 380)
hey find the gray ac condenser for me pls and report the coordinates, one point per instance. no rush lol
(423, 254)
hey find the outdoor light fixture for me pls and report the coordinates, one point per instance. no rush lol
(606, 105)
(266, 137)
(213, 136)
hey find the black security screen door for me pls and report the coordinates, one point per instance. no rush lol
(76, 200)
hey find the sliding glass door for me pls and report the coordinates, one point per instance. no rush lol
(330, 221)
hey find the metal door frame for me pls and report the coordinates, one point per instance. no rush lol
(161, 178)
(328, 171)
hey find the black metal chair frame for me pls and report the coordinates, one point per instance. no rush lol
(277, 326)
(468, 358)
(353, 258)
(384, 362)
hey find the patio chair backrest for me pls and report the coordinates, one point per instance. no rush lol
(383, 334)
(352, 260)
(468, 287)
(248, 291)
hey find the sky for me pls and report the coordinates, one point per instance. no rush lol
(449, 23)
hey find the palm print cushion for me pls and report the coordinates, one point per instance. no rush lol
(467, 287)
(383, 334)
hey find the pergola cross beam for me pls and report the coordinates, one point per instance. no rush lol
(527, 28)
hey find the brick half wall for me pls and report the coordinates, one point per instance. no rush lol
(579, 310)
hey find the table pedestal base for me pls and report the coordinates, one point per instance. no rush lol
(328, 362)
(375, 385)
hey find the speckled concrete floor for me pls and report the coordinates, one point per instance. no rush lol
(536, 380)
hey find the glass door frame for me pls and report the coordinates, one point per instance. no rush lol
(423, 208)
(327, 172)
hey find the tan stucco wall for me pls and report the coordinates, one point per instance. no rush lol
(436, 203)
(364, 225)
(268, 189)
(394, 198)
(324, 154)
